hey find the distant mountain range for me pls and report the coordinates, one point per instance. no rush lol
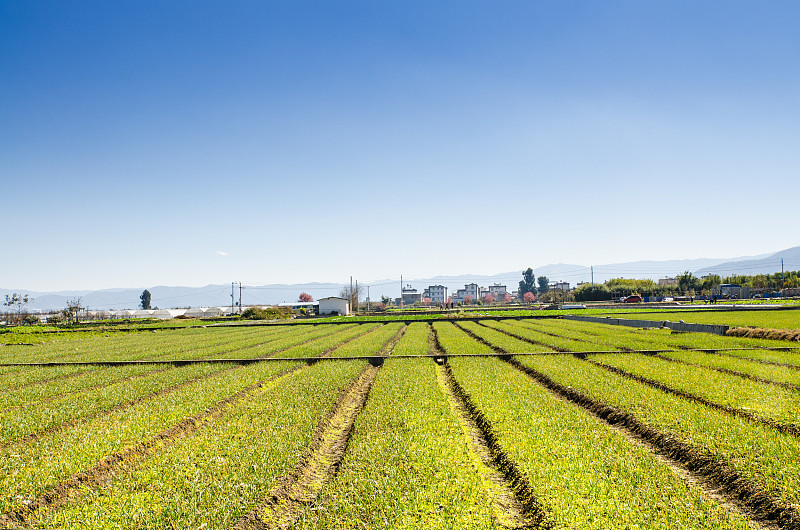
(220, 295)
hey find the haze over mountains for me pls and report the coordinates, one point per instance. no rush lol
(220, 295)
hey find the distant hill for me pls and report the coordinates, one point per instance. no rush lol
(220, 295)
(762, 265)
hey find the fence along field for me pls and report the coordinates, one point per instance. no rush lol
(619, 439)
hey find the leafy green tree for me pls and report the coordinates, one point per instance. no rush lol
(544, 284)
(688, 282)
(145, 299)
(592, 291)
(528, 283)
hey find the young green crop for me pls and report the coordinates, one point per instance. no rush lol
(369, 344)
(225, 470)
(769, 401)
(780, 374)
(760, 453)
(407, 465)
(28, 468)
(584, 473)
(31, 420)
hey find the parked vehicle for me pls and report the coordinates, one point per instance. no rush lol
(634, 298)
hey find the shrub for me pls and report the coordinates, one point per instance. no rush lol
(270, 313)
(592, 291)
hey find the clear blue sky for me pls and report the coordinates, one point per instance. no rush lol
(310, 141)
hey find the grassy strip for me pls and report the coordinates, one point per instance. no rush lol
(34, 464)
(31, 394)
(407, 464)
(773, 465)
(213, 478)
(370, 344)
(544, 336)
(751, 397)
(586, 473)
(776, 374)
(786, 319)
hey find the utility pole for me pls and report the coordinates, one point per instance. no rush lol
(401, 291)
(356, 293)
(368, 309)
(232, 283)
(592, 268)
(351, 295)
(240, 297)
(781, 273)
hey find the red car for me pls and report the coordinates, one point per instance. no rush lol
(632, 299)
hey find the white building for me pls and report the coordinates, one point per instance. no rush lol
(437, 294)
(334, 305)
(470, 289)
(498, 291)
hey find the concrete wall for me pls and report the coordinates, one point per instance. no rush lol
(675, 326)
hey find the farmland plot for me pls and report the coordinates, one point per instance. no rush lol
(534, 441)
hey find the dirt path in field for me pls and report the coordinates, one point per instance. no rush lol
(322, 458)
(718, 479)
(743, 375)
(513, 502)
(102, 471)
(786, 428)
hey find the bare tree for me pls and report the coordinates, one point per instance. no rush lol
(353, 294)
(72, 312)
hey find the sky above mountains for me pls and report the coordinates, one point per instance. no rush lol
(195, 143)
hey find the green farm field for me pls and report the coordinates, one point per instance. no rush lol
(521, 423)
(777, 319)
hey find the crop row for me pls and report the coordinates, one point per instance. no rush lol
(94, 377)
(408, 464)
(216, 476)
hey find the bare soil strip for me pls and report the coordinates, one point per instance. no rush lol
(524, 339)
(786, 428)
(765, 333)
(743, 375)
(102, 471)
(319, 463)
(85, 389)
(712, 472)
(513, 501)
(322, 457)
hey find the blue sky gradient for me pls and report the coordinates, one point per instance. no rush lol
(311, 141)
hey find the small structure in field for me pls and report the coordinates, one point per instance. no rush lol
(334, 305)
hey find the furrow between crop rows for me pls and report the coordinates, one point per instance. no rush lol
(102, 471)
(319, 464)
(714, 472)
(514, 503)
(786, 428)
(751, 377)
